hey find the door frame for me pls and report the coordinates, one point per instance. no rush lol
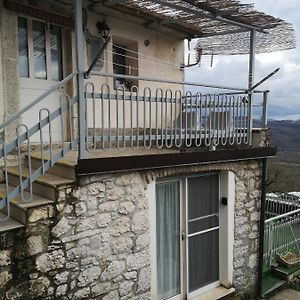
(226, 234)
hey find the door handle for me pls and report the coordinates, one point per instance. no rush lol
(183, 235)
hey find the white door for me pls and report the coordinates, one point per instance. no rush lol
(40, 68)
(187, 237)
(202, 234)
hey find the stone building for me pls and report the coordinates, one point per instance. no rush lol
(117, 182)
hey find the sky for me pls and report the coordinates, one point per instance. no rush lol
(284, 100)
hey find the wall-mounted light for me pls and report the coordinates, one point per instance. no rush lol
(103, 29)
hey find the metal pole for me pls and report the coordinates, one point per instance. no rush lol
(262, 226)
(265, 109)
(80, 77)
(251, 80)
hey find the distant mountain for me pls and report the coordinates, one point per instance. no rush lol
(285, 134)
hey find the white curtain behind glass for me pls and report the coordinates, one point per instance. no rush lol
(168, 239)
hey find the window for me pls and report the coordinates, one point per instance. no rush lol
(23, 47)
(95, 44)
(56, 52)
(40, 50)
(125, 62)
(187, 236)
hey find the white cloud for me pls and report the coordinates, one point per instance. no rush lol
(284, 86)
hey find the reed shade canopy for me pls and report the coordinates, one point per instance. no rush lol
(222, 26)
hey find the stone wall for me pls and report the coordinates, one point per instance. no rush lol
(94, 243)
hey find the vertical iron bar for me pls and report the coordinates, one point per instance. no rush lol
(80, 77)
(265, 110)
(251, 82)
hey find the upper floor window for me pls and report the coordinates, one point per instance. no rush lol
(125, 62)
(40, 50)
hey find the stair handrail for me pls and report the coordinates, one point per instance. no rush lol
(39, 99)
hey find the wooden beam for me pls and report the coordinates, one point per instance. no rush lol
(157, 161)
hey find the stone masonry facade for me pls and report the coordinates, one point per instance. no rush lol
(94, 242)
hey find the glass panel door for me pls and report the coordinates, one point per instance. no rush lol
(168, 239)
(203, 231)
(39, 49)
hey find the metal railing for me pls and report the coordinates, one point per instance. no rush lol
(281, 204)
(22, 146)
(282, 232)
(147, 118)
(119, 118)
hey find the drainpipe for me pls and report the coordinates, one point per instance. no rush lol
(261, 227)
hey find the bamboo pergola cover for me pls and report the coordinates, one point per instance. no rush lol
(216, 23)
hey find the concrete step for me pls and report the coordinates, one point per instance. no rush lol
(273, 288)
(46, 185)
(284, 273)
(18, 208)
(9, 224)
(63, 168)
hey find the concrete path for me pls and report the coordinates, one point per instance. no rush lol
(287, 295)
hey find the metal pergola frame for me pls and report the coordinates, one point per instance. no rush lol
(80, 56)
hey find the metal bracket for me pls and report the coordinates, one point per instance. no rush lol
(87, 74)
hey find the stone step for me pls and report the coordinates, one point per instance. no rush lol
(9, 224)
(46, 185)
(19, 209)
(63, 168)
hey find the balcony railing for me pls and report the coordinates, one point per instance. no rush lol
(119, 119)
(157, 118)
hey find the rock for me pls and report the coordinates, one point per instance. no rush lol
(126, 208)
(102, 220)
(114, 269)
(125, 287)
(81, 294)
(130, 275)
(50, 261)
(86, 224)
(144, 280)
(88, 276)
(35, 245)
(113, 295)
(37, 214)
(142, 241)
(4, 278)
(140, 221)
(121, 244)
(109, 206)
(120, 226)
(100, 289)
(61, 278)
(5, 259)
(61, 228)
(137, 260)
(38, 287)
(61, 290)
(252, 261)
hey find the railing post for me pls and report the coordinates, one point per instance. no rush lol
(251, 80)
(80, 77)
(265, 109)
(270, 242)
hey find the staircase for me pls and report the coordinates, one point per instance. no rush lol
(44, 190)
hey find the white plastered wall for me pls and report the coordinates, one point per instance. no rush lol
(162, 47)
(227, 190)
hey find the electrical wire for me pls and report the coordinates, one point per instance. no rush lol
(144, 55)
